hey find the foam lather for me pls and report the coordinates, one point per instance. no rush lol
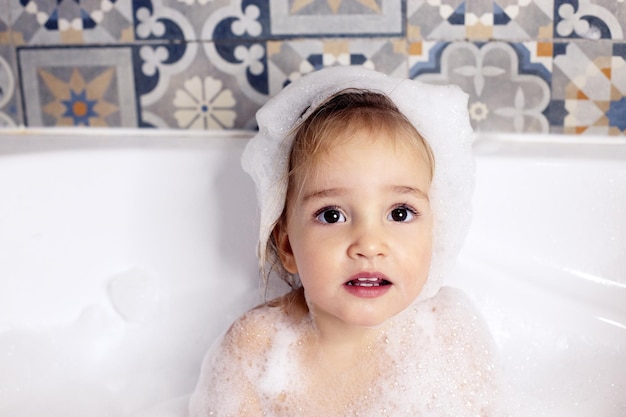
(439, 113)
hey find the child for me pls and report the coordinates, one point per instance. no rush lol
(364, 183)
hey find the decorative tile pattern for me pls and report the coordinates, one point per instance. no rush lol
(460, 19)
(336, 17)
(8, 92)
(479, 20)
(204, 20)
(528, 65)
(184, 89)
(4, 23)
(71, 21)
(78, 87)
(290, 60)
(590, 87)
(508, 91)
(523, 19)
(155, 21)
(590, 19)
(441, 20)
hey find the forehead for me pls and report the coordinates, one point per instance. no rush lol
(378, 156)
(405, 144)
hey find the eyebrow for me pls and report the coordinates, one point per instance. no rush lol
(331, 192)
(403, 189)
(396, 189)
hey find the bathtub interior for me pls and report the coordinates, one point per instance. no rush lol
(123, 255)
(544, 262)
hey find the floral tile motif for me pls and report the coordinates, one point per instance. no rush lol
(78, 86)
(9, 112)
(180, 87)
(336, 17)
(589, 87)
(210, 64)
(508, 84)
(289, 60)
(204, 103)
(590, 19)
(239, 20)
(155, 21)
(205, 20)
(37, 22)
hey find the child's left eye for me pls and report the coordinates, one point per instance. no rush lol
(402, 214)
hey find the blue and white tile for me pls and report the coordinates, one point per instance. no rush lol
(441, 20)
(155, 21)
(589, 87)
(336, 18)
(179, 86)
(201, 20)
(78, 86)
(38, 22)
(10, 113)
(523, 19)
(508, 91)
(5, 23)
(590, 19)
(289, 60)
(238, 20)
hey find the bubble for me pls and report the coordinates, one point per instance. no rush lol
(437, 355)
(134, 294)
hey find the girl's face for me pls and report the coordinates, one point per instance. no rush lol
(359, 230)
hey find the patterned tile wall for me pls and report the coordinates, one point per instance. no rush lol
(529, 65)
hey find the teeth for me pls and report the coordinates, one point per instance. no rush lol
(366, 282)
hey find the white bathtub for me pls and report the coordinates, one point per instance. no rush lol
(123, 254)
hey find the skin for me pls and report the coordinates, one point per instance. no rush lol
(362, 211)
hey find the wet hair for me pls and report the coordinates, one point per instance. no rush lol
(348, 110)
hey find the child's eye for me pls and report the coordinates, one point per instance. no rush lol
(402, 214)
(330, 216)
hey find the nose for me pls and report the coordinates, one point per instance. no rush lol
(368, 241)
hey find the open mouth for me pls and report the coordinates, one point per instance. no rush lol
(368, 282)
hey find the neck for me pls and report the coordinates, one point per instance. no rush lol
(331, 333)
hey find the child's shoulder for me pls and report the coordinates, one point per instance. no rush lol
(458, 321)
(255, 330)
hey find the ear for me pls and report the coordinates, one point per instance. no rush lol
(285, 253)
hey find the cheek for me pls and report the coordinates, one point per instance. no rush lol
(420, 257)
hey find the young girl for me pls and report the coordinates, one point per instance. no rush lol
(364, 183)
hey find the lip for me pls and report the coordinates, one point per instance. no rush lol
(367, 284)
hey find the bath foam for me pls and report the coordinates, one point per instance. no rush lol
(439, 113)
(250, 369)
(107, 364)
(434, 359)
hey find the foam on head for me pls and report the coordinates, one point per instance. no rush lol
(439, 113)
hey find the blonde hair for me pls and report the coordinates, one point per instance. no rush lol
(351, 109)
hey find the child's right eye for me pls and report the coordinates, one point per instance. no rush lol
(330, 216)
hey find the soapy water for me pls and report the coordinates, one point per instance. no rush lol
(433, 359)
(131, 356)
(104, 365)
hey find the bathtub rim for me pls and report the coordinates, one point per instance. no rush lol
(538, 147)
(507, 137)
